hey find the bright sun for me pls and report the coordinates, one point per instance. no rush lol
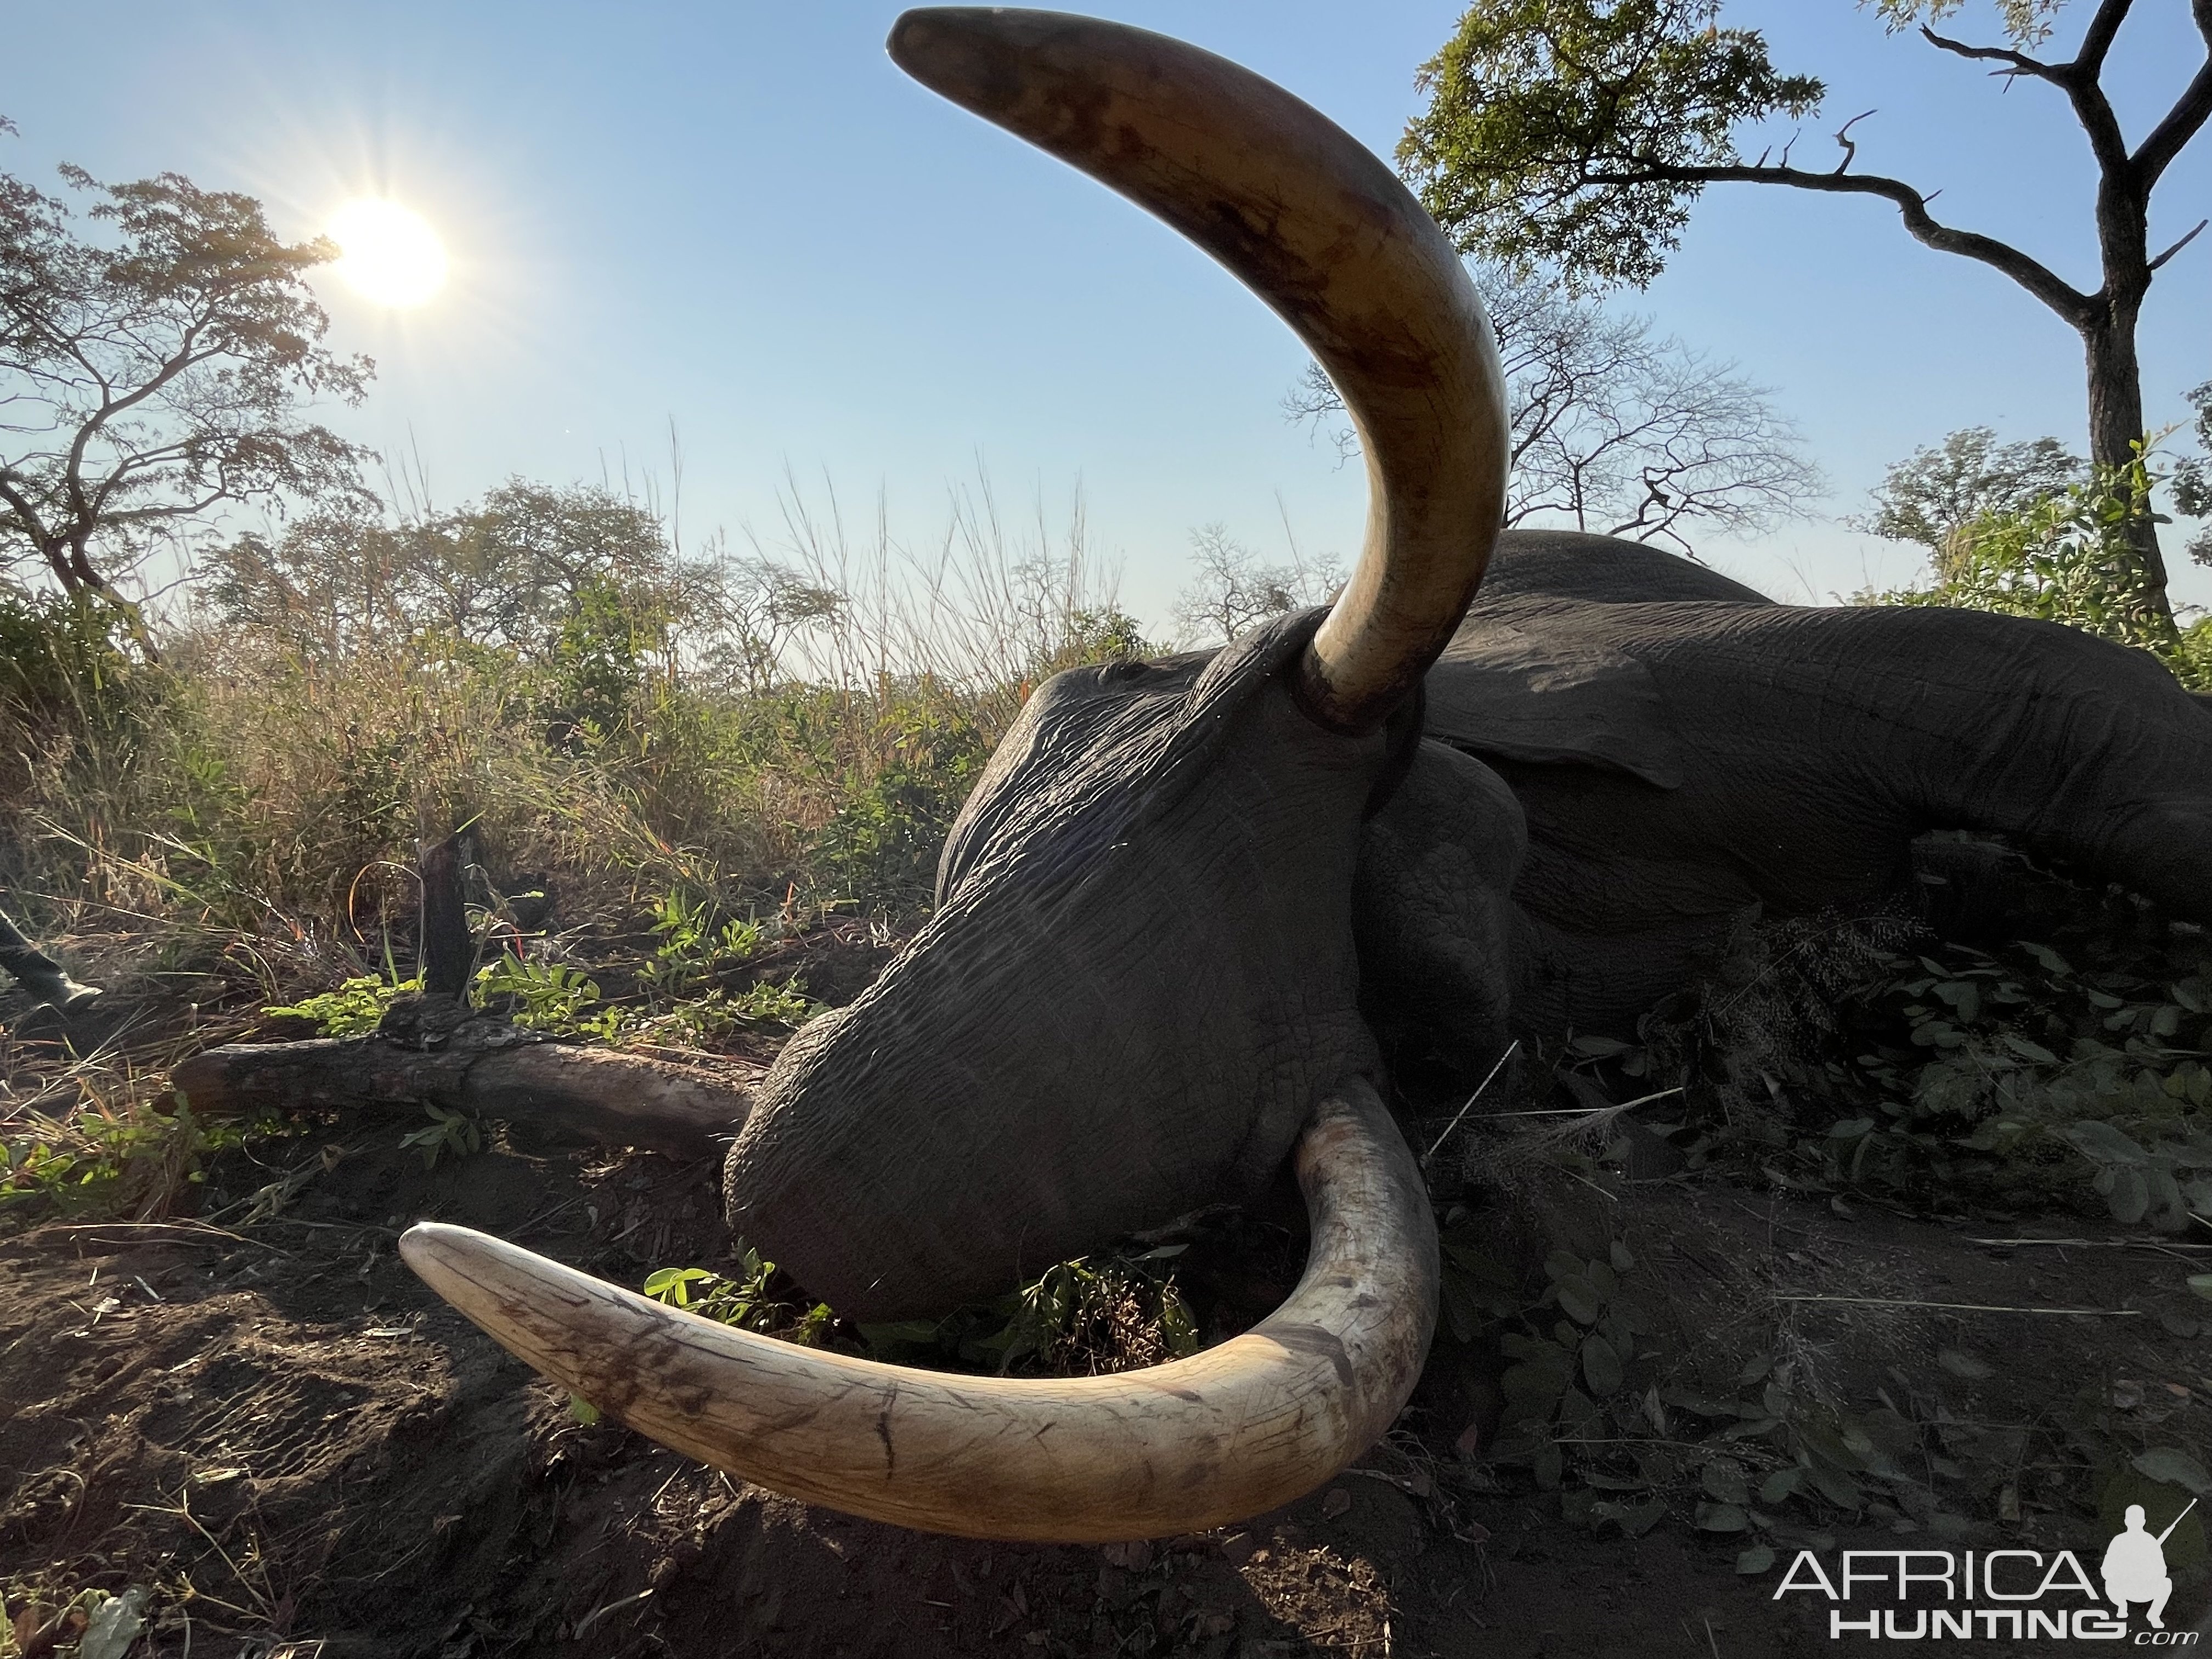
(388, 252)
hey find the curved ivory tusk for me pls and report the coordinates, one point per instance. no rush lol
(1228, 1433)
(1316, 226)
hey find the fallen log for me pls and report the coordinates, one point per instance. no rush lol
(479, 1064)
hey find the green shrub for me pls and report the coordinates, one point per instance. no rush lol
(2066, 558)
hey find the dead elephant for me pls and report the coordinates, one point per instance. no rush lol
(1167, 904)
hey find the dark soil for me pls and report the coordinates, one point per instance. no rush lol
(270, 1425)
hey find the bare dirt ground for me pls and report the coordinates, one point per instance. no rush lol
(267, 1423)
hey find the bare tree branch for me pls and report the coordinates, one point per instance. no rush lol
(2180, 245)
(2030, 274)
(2018, 63)
(2096, 38)
(2182, 123)
(1616, 430)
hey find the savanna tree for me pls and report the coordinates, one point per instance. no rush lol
(2192, 479)
(153, 370)
(1581, 132)
(1936, 496)
(1615, 430)
(1233, 587)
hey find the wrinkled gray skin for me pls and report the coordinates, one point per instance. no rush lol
(1164, 908)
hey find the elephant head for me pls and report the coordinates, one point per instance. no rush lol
(1140, 988)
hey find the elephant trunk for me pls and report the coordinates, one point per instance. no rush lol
(1316, 226)
(1239, 1429)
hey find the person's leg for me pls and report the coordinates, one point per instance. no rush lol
(2158, 1604)
(39, 973)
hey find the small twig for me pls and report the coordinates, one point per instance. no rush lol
(1610, 1197)
(1844, 137)
(1511, 1048)
(1964, 1307)
(2180, 245)
(545, 1216)
(593, 1617)
(2096, 1243)
(161, 1226)
(1584, 1111)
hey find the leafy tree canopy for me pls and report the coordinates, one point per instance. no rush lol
(1935, 494)
(2192, 479)
(1547, 118)
(1579, 132)
(506, 572)
(2064, 555)
(154, 370)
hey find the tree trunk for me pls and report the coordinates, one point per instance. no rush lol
(2116, 426)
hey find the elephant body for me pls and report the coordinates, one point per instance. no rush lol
(1166, 907)
(1683, 750)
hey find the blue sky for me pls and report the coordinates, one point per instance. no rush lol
(742, 219)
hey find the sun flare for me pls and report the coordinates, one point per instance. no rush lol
(388, 253)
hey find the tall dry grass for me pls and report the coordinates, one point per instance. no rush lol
(804, 724)
(776, 730)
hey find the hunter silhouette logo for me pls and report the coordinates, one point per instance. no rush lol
(2135, 1566)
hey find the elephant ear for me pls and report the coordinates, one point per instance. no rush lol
(1511, 692)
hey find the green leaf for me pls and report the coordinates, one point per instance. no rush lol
(1602, 1367)
(673, 1285)
(2175, 1467)
(1722, 1517)
(1580, 1302)
(1782, 1484)
(2129, 1200)
(582, 1410)
(1756, 1559)
(1549, 1467)
(1961, 1363)
(1724, 1483)
(2201, 1284)
(2098, 1140)
(1963, 995)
